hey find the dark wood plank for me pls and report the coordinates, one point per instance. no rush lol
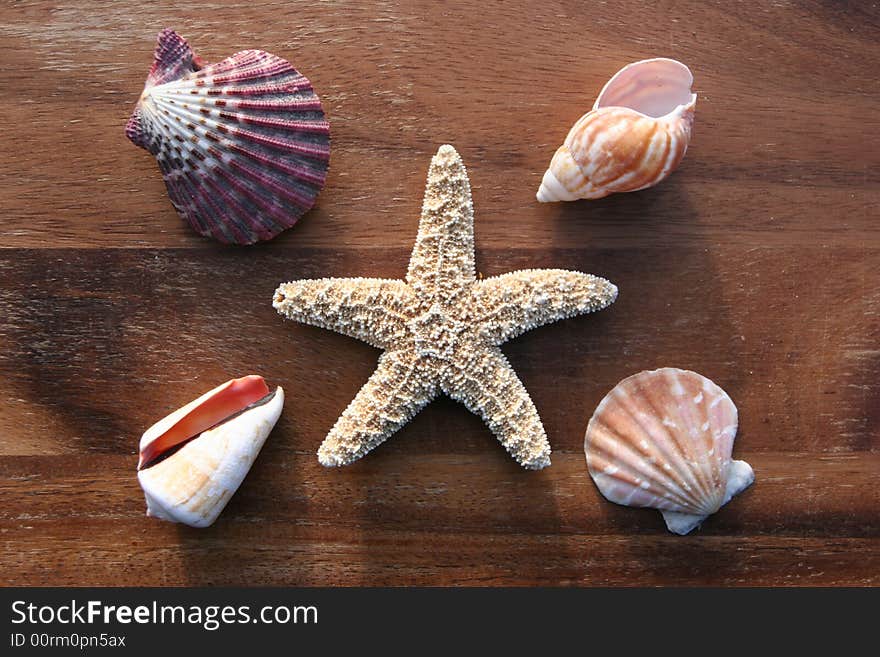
(755, 264)
(96, 345)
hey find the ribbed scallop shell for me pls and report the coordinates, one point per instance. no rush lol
(663, 439)
(193, 481)
(243, 144)
(635, 136)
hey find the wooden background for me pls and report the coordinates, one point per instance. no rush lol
(756, 264)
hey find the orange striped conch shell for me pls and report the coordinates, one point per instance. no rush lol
(635, 136)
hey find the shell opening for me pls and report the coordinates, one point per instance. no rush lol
(210, 410)
(653, 87)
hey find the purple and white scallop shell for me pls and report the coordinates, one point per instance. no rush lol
(243, 144)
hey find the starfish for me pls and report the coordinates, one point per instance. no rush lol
(441, 328)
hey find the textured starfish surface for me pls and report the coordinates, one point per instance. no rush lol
(441, 328)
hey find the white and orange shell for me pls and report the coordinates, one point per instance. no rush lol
(663, 439)
(635, 136)
(193, 461)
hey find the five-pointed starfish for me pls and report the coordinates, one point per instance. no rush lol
(441, 328)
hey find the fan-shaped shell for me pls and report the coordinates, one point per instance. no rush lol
(190, 477)
(635, 136)
(243, 144)
(663, 439)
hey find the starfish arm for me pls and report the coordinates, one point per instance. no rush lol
(488, 386)
(396, 391)
(369, 309)
(514, 303)
(442, 261)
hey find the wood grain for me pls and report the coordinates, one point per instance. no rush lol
(755, 264)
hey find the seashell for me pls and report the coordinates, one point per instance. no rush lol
(635, 136)
(243, 144)
(193, 461)
(663, 439)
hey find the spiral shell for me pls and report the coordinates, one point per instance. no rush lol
(243, 144)
(663, 439)
(193, 461)
(635, 136)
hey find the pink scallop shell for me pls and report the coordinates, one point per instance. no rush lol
(663, 439)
